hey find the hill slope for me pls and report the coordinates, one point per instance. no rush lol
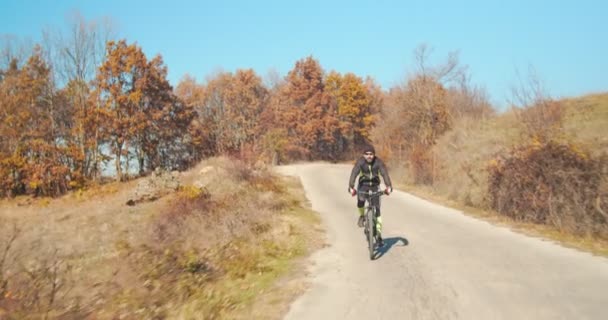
(466, 151)
(211, 249)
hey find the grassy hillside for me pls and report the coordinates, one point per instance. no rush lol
(467, 149)
(214, 249)
(586, 121)
(465, 153)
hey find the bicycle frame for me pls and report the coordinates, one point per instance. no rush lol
(370, 220)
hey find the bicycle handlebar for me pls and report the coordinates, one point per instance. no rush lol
(371, 194)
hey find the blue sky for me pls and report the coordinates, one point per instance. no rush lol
(565, 41)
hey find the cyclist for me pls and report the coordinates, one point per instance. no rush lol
(368, 169)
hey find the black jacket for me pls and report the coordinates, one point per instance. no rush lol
(369, 173)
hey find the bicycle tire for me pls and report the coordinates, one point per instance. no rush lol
(369, 216)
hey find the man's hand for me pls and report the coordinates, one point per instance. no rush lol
(352, 191)
(388, 190)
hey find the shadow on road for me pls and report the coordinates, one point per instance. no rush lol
(389, 243)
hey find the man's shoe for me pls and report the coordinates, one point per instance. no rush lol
(360, 222)
(380, 241)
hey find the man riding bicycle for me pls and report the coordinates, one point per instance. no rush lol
(368, 169)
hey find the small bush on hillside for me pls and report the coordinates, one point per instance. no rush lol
(544, 120)
(207, 239)
(256, 176)
(34, 289)
(421, 165)
(550, 183)
(190, 201)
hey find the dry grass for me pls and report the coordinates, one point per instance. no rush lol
(467, 149)
(586, 243)
(550, 183)
(205, 252)
(465, 152)
(586, 120)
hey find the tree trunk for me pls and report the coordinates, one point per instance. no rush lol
(128, 161)
(117, 161)
(140, 159)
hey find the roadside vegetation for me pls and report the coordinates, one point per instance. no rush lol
(85, 118)
(206, 251)
(540, 166)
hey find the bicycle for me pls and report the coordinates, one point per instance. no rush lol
(369, 223)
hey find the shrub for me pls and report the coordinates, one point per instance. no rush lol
(421, 164)
(549, 183)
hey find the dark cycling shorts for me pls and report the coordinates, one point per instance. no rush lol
(361, 197)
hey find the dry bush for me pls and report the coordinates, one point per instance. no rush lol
(41, 288)
(240, 171)
(8, 235)
(191, 201)
(543, 120)
(204, 237)
(421, 165)
(188, 255)
(169, 276)
(419, 113)
(467, 101)
(257, 176)
(34, 289)
(540, 115)
(273, 145)
(550, 183)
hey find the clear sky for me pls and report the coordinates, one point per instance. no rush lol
(566, 41)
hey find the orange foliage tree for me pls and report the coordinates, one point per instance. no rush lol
(32, 149)
(192, 95)
(354, 105)
(416, 115)
(140, 116)
(232, 106)
(308, 114)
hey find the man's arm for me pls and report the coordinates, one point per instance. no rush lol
(385, 176)
(353, 175)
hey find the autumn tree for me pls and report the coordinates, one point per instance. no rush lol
(418, 113)
(164, 140)
(232, 106)
(13, 121)
(75, 54)
(13, 49)
(273, 141)
(140, 116)
(354, 105)
(247, 99)
(116, 85)
(191, 94)
(32, 150)
(213, 109)
(308, 113)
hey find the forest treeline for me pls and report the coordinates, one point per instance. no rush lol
(82, 101)
(82, 104)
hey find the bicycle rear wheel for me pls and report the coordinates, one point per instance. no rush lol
(369, 216)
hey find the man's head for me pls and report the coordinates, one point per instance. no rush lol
(369, 153)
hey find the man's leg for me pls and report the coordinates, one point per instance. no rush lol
(378, 222)
(360, 205)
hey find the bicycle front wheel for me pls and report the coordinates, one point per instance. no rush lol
(370, 225)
